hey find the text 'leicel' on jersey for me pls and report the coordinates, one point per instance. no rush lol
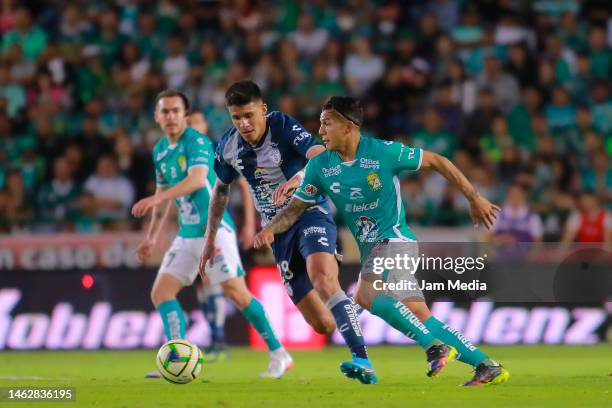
(366, 191)
(280, 154)
(172, 164)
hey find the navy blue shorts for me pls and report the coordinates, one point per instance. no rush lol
(313, 232)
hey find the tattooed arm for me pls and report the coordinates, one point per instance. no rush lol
(216, 208)
(280, 223)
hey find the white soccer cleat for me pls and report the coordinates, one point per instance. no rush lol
(280, 363)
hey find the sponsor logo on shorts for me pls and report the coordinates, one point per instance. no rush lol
(315, 230)
(365, 163)
(374, 181)
(333, 171)
(353, 208)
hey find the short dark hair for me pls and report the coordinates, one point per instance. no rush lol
(348, 107)
(242, 92)
(171, 93)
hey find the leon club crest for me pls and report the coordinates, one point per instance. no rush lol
(374, 181)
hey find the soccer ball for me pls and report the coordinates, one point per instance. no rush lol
(179, 361)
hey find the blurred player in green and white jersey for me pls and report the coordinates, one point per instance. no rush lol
(210, 297)
(360, 175)
(183, 167)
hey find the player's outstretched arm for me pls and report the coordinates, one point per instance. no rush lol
(482, 209)
(280, 223)
(196, 179)
(216, 208)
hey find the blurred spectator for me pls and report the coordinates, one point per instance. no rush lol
(598, 176)
(590, 224)
(111, 194)
(480, 122)
(516, 222)
(362, 68)
(57, 199)
(13, 92)
(463, 89)
(31, 38)
(600, 53)
(308, 39)
(16, 206)
(433, 137)
(504, 86)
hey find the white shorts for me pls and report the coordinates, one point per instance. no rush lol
(182, 259)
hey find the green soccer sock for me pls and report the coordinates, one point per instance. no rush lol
(173, 318)
(401, 318)
(256, 315)
(468, 353)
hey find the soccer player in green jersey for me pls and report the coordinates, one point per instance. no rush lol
(359, 174)
(183, 160)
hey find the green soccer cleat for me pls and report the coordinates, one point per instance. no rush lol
(438, 357)
(488, 375)
(359, 369)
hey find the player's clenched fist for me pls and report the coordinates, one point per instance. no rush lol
(264, 238)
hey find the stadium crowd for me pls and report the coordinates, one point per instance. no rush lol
(516, 93)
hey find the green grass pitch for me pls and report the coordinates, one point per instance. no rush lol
(541, 376)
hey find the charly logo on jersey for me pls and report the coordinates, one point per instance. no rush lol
(374, 181)
(333, 171)
(182, 162)
(335, 187)
(365, 163)
(367, 229)
(310, 190)
(356, 208)
(259, 173)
